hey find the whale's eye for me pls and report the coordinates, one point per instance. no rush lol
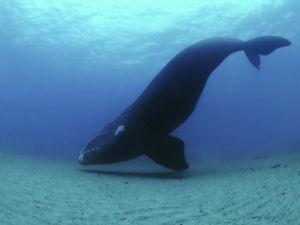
(119, 130)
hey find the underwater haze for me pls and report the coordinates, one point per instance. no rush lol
(69, 67)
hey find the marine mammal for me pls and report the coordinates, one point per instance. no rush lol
(170, 98)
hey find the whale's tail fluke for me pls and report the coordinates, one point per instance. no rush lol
(263, 46)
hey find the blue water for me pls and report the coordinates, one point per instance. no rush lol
(69, 67)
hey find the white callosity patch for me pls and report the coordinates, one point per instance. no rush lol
(102, 133)
(120, 129)
(81, 157)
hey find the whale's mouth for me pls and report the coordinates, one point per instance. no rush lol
(90, 155)
(83, 158)
(86, 157)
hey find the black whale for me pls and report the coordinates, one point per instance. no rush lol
(144, 127)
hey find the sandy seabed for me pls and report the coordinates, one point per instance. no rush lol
(254, 191)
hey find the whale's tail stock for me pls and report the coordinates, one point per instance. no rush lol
(263, 46)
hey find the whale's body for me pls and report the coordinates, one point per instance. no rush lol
(169, 99)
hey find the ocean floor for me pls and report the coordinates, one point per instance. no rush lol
(263, 190)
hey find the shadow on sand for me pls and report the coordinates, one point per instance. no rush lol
(153, 175)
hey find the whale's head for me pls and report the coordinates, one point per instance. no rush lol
(113, 144)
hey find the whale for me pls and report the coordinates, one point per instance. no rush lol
(144, 127)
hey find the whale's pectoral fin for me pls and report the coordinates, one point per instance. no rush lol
(169, 152)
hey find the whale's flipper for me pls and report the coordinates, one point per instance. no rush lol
(169, 152)
(264, 45)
